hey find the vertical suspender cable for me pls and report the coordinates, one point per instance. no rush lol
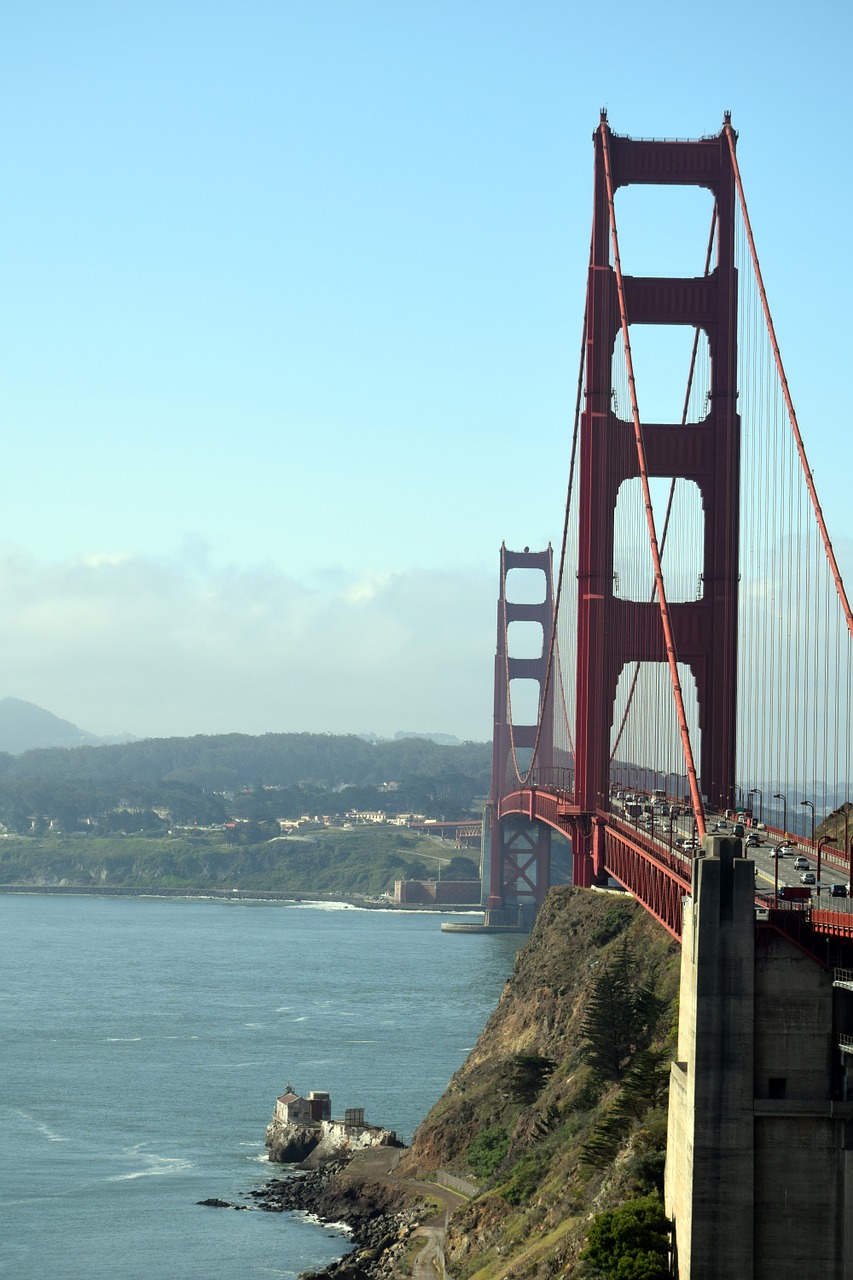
(836, 572)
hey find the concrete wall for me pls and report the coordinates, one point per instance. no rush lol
(450, 892)
(759, 1176)
(710, 1132)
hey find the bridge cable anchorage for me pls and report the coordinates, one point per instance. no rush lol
(685, 411)
(777, 355)
(666, 620)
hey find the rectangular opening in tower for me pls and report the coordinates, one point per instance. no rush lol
(669, 374)
(525, 640)
(524, 696)
(680, 529)
(663, 230)
(645, 743)
(526, 586)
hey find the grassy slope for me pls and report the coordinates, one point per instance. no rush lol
(532, 1216)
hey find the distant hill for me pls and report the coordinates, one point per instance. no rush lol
(26, 727)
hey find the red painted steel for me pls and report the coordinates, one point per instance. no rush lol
(613, 632)
(509, 736)
(833, 924)
(642, 467)
(655, 877)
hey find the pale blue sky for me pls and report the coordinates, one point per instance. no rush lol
(292, 296)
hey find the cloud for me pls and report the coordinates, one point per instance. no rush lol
(121, 643)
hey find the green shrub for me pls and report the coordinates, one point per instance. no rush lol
(630, 1243)
(526, 1177)
(488, 1150)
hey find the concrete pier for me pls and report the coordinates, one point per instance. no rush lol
(759, 1174)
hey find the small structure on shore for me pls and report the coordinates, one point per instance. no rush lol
(302, 1130)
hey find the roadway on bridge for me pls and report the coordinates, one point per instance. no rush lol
(669, 835)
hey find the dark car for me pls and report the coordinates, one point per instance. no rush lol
(808, 877)
(838, 891)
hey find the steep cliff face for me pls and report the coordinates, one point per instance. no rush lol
(560, 1110)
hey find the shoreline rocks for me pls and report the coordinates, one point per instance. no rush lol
(378, 1216)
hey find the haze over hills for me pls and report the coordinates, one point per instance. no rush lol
(24, 727)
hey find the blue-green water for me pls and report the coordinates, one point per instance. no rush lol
(143, 1043)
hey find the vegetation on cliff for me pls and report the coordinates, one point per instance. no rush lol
(559, 1113)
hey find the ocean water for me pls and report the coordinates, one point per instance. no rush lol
(143, 1042)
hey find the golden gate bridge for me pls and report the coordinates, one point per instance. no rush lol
(693, 640)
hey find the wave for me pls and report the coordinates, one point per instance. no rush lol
(41, 1127)
(121, 1039)
(302, 1215)
(157, 1166)
(324, 906)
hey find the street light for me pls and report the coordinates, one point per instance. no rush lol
(777, 795)
(809, 804)
(756, 791)
(821, 842)
(844, 811)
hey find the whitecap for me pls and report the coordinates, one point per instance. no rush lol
(302, 1215)
(41, 1127)
(325, 906)
(156, 1167)
(121, 1039)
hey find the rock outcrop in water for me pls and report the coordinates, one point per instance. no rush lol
(303, 1132)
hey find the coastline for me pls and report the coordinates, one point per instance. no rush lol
(361, 901)
(385, 1213)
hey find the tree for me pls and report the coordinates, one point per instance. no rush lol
(619, 1017)
(630, 1243)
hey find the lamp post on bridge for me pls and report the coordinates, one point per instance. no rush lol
(756, 791)
(821, 842)
(845, 813)
(777, 795)
(810, 805)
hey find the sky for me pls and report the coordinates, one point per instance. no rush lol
(292, 303)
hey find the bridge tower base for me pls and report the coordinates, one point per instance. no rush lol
(709, 1169)
(759, 1171)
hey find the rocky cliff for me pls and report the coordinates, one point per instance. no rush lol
(560, 1110)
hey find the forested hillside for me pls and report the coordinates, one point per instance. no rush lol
(206, 779)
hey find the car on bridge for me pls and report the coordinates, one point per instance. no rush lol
(808, 877)
(838, 890)
(801, 863)
(782, 851)
(754, 842)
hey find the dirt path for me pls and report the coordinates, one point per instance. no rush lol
(429, 1263)
(379, 1165)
